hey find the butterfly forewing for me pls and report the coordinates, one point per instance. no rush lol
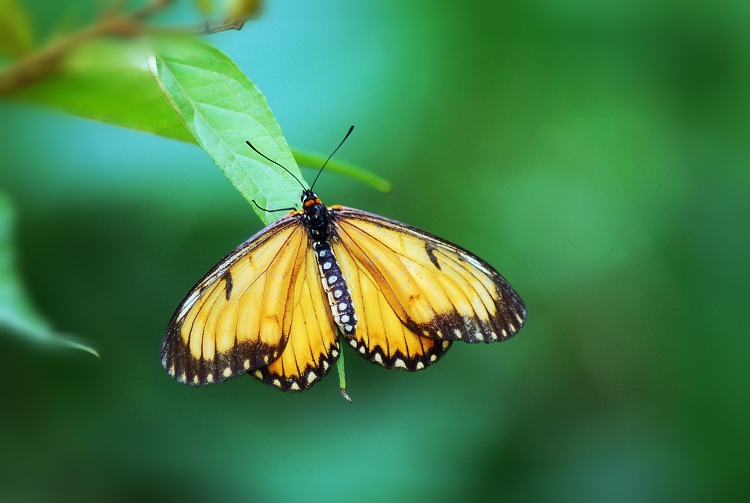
(237, 317)
(438, 290)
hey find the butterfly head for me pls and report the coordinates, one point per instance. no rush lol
(315, 212)
(309, 198)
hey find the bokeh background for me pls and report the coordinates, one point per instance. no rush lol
(596, 153)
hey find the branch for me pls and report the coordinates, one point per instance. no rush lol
(46, 61)
(206, 29)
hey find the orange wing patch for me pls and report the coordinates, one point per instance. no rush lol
(438, 290)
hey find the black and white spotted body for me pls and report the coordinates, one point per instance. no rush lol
(318, 225)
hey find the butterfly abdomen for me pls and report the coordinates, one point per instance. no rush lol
(339, 298)
(318, 225)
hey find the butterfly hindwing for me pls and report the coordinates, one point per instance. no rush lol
(312, 345)
(438, 290)
(238, 317)
(381, 337)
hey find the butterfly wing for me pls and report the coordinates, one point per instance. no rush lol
(238, 317)
(261, 310)
(381, 336)
(438, 291)
(312, 344)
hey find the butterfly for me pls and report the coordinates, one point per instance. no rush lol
(275, 306)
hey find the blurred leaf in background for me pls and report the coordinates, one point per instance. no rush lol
(17, 315)
(16, 33)
(108, 80)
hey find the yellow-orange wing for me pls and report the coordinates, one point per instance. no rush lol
(250, 313)
(414, 293)
(312, 344)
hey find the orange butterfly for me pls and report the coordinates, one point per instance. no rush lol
(274, 307)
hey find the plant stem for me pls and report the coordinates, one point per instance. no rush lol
(342, 373)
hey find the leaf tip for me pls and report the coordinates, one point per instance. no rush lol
(77, 345)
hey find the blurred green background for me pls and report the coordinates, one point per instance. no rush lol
(596, 153)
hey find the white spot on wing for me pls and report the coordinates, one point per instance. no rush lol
(210, 378)
(276, 383)
(420, 365)
(311, 377)
(258, 374)
(334, 352)
(446, 344)
(378, 358)
(353, 343)
(457, 333)
(362, 349)
(345, 318)
(325, 365)
(338, 293)
(247, 364)
(326, 266)
(399, 364)
(332, 279)
(227, 372)
(518, 317)
(295, 386)
(493, 336)
(433, 358)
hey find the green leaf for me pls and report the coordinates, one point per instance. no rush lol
(311, 160)
(222, 109)
(109, 81)
(16, 34)
(17, 315)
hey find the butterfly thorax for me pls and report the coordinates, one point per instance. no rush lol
(318, 224)
(315, 215)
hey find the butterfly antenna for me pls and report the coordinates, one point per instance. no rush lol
(329, 157)
(276, 163)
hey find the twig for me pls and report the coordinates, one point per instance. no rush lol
(46, 61)
(236, 24)
(206, 29)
